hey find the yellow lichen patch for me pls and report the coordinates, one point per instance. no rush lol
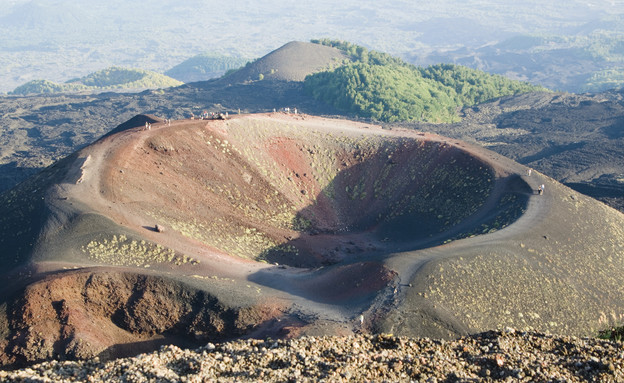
(230, 237)
(123, 251)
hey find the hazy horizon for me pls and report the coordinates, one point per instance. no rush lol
(62, 39)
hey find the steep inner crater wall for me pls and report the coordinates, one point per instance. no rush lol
(302, 195)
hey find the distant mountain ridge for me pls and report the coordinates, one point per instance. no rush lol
(377, 85)
(58, 39)
(204, 67)
(587, 59)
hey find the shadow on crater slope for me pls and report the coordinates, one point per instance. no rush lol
(308, 195)
(403, 195)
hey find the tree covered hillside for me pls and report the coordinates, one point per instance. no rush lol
(205, 66)
(110, 78)
(385, 88)
(589, 58)
(46, 87)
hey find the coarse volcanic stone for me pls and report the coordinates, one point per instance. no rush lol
(492, 356)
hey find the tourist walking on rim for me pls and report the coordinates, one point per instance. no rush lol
(540, 189)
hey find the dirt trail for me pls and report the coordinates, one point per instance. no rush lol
(294, 282)
(407, 264)
(98, 189)
(299, 225)
(98, 186)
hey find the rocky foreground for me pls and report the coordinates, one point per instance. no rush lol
(504, 355)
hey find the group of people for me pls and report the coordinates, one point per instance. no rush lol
(148, 125)
(287, 110)
(203, 116)
(211, 116)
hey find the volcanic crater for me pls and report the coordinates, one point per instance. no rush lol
(287, 224)
(289, 191)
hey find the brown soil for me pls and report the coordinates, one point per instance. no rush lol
(96, 312)
(292, 62)
(290, 224)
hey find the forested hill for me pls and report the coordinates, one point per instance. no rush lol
(106, 79)
(385, 88)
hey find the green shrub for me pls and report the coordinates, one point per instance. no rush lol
(614, 333)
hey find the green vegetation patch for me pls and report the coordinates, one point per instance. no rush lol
(473, 86)
(385, 93)
(46, 87)
(110, 78)
(385, 88)
(614, 333)
(115, 77)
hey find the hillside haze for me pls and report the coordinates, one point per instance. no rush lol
(62, 39)
(106, 79)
